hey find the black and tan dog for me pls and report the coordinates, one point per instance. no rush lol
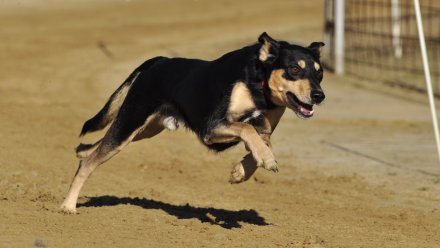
(240, 96)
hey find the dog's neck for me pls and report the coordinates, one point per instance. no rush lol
(266, 90)
(266, 93)
(264, 78)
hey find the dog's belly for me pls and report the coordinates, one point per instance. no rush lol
(218, 147)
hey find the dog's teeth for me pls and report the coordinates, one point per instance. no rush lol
(305, 111)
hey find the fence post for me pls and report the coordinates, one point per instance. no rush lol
(395, 28)
(328, 29)
(427, 72)
(339, 35)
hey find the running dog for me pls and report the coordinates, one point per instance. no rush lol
(240, 96)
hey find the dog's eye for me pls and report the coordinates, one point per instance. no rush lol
(294, 70)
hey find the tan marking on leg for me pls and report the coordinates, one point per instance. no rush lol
(101, 154)
(220, 139)
(86, 153)
(317, 66)
(270, 120)
(241, 101)
(244, 170)
(302, 63)
(246, 132)
(273, 116)
(152, 127)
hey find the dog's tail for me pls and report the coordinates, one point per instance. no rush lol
(110, 109)
(108, 113)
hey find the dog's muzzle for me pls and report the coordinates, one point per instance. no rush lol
(302, 109)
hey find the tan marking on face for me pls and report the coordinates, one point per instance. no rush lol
(317, 66)
(241, 101)
(279, 86)
(302, 90)
(302, 64)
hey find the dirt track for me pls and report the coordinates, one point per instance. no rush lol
(362, 173)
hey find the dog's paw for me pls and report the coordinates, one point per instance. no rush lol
(237, 174)
(268, 164)
(268, 161)
(271, 165)
(244, 170)
(67, 210)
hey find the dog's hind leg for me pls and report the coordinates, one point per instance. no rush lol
(128, 124)
(153, 127)
(105, 150)
(86, 167)
(84, 150)
(165, 118)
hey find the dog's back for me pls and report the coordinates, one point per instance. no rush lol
(200, 88)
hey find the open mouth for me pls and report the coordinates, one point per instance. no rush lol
(302, 109)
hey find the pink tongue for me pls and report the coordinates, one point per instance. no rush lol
(305, 111)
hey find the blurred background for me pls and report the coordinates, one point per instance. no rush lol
(382, 41)
(363, 172)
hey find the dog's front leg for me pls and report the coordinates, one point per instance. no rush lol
(244, 170)
(261, 153)
(247, 166)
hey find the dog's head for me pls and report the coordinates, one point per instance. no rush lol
(295, 74)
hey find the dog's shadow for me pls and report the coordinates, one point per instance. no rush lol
(221, 217)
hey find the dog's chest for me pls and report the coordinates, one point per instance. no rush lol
(241, 106)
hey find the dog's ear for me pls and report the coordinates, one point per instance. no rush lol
(269, 49)
(316, 48)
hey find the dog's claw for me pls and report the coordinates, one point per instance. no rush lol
(271, 165)
(274, 169)
(65, 210)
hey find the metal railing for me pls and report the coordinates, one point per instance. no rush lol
(382, 44)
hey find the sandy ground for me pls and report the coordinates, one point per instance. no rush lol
(362, 173)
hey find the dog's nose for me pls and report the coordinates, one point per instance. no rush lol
(317, 96)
